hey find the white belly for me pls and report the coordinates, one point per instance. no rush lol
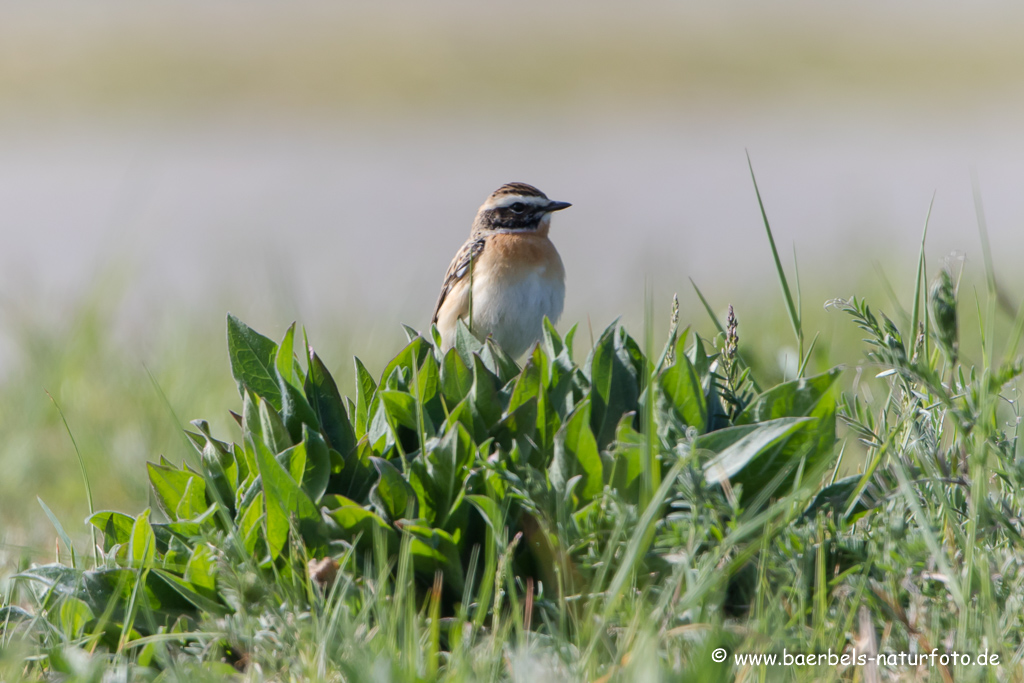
(512, 309)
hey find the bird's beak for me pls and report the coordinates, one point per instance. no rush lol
(557, 206)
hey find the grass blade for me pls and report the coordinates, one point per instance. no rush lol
(916, 315)
(791, 307)
(85, 477)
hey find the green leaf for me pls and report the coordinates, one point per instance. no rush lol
(428, 378)
(412, 355)
(193, 500)
(628, 455)
(284, 359)
(356, 474)
(275, 434)
(283, 498)
(318, 464)
(490, 511)
(249, 518)
(576, 453)
(466, 343)
(223, 468)
(456, 379)
(293, 460)
(614, 385)
(296, 411)
(434, 549)
(392, 495)
(550, 341)
(189, 592)
(74, 617)
(499, 362)
(797, 398)
(366, 388)
(400, 407)
(734, 448)
(116, 527)
(836, 498)
(349, 521)
(437, 477)
(142, 547)
(252, 361)
(169, 488)
(201, 570)
(486, 399)
(680, 387)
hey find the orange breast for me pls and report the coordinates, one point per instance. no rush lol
(510, 255)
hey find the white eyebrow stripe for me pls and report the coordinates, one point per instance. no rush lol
(510, 199)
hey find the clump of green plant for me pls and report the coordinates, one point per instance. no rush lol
(461, 461)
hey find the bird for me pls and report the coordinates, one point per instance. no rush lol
(508, 275)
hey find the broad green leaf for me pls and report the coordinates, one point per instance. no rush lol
(296, 411)
(275, 435)
(466, 343)
(193, 500)
(490, 511)
(680, 387)
(318, 464)
(527, 385)
(736, 447)
(74, 616)
(252, 361)
(456, 379)
(201, 570)
(142, 547)
(570, 336)
(428, 378)
(284, 359)
(499, 362)
(486, 399)
(628, 454)
(614, 385)
(248, 522)
(797, 398)
(392, 495)
(116, 527)
(283, 497)
(438, 475)
(366, 388)
(356, 476)
(400, 407)
(551, 342)
(412, 355)
(169, 487)
(252, 425)
(519, 427)
(348, 520)
(190, 592)
(576, 453)
(293, 460)
(221, 467)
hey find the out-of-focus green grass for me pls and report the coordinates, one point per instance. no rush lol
(126, 388)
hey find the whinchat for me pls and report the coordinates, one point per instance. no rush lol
(508, 275)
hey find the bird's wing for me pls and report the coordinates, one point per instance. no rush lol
(458, 269)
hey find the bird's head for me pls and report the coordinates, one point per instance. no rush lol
(517, 207)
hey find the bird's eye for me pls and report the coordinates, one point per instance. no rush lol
(518, 207)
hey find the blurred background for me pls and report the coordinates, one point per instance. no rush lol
(163, 163)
